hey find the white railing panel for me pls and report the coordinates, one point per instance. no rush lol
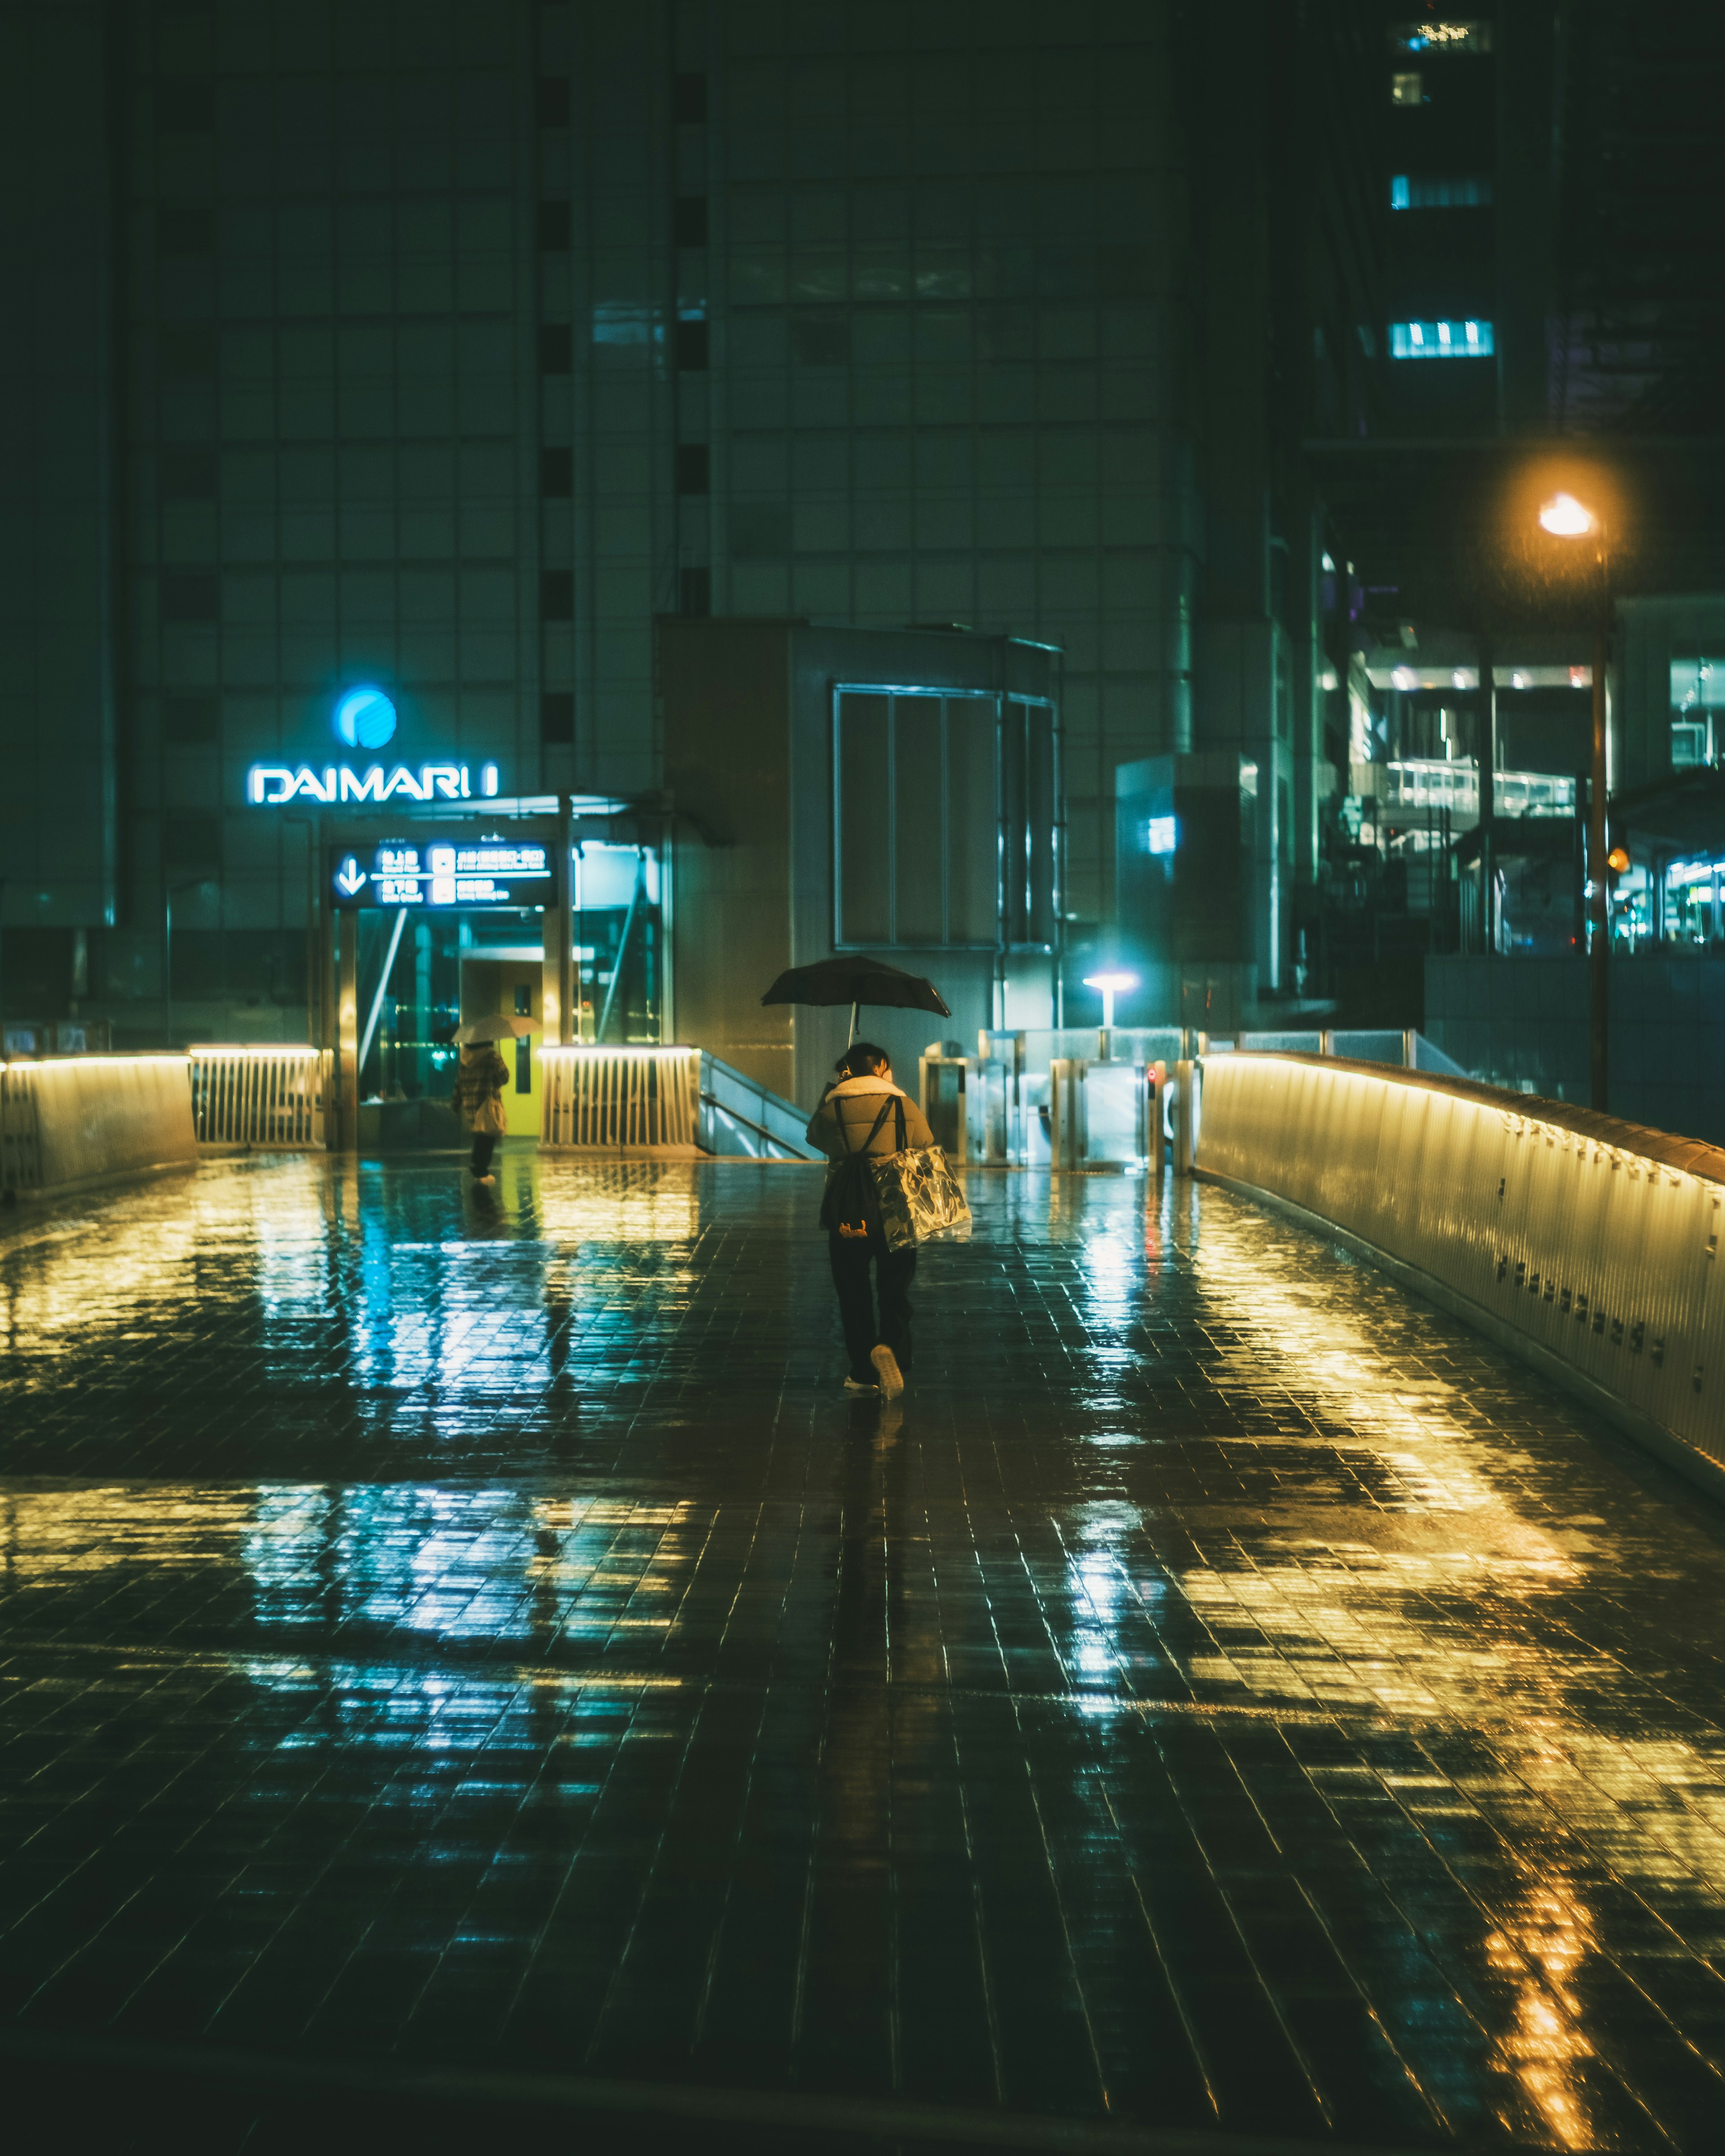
(600, 1099)
(262, 1096)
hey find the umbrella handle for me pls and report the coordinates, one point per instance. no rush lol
(854, 1009)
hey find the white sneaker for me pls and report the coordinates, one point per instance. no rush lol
(886, 1362)
(855, 1385)
(483, 1179)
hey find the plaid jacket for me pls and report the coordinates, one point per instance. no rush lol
(477, 1079)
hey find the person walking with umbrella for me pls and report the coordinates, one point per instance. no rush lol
(862, 1114)
(481, 1077)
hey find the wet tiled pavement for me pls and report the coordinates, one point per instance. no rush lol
(475, 1629)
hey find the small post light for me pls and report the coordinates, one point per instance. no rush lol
(1618, 860)
(1109, 983)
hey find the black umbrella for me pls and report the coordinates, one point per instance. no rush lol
(856, 982)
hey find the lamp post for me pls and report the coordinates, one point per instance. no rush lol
(1110, 984)
(1566, 518)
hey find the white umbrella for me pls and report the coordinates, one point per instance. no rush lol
(497, 1029)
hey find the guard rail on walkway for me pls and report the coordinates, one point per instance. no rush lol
(745, 1120)
(626, 1099)
(1587, 1246)
(259, 1095)
(1030, 1052)
(83, 1119)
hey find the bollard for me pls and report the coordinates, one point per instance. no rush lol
(1185, 1118)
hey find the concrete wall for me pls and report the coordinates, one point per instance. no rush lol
(1587, 1245)
(746, 709)
(1523, 1023)
(723, 688)
(88, 1118)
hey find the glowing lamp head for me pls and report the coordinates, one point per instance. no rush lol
(1565, 518)
(1617, 859)
(1110, 984)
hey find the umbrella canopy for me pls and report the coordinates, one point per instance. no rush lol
(500, 1027)
(857, 981)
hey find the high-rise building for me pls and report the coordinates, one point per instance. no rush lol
(437, 348)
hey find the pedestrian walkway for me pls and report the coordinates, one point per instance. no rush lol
(474, 1630)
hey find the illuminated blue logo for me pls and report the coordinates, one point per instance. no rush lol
(365, 718)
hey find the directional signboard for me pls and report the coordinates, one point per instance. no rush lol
(442, 870)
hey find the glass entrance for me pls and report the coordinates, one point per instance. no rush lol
(619, 942)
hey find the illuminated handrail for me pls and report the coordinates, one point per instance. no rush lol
(605, 1099)
(1582, 1243)
(20, 1129)
(259, 1095)
(76, 1119)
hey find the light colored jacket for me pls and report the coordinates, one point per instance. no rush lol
(857, 1101)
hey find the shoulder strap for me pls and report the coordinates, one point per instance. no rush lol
(891, 1101)
(898, 1109)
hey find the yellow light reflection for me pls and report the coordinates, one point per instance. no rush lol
(1541, 1949)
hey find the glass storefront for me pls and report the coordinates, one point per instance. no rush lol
(1697, 712)
(422, 973)
(1692, 905)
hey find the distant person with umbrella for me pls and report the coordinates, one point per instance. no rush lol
(481, 1077)
(864, 1113)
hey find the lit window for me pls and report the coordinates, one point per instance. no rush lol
(1406, 89)
(1440, 37)
(1697, 702)
(944, 819)
(1470, 339)
(1161, 835)
(1426, 190)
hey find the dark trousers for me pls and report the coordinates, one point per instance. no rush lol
(896, 1270)
(485, 1144)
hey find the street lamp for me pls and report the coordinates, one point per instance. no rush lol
(1566, 518)
(1109, 983)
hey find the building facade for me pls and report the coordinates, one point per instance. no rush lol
(441, 348)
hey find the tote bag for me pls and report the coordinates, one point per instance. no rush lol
(920, 1198)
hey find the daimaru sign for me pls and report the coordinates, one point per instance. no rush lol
(269, 785)
(365, 717)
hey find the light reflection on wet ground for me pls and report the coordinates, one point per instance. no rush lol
(1225, 1693)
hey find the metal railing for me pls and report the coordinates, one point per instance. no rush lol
(745, 1120)
(259, 1095)
(1585, 1244)
(597, 1099)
